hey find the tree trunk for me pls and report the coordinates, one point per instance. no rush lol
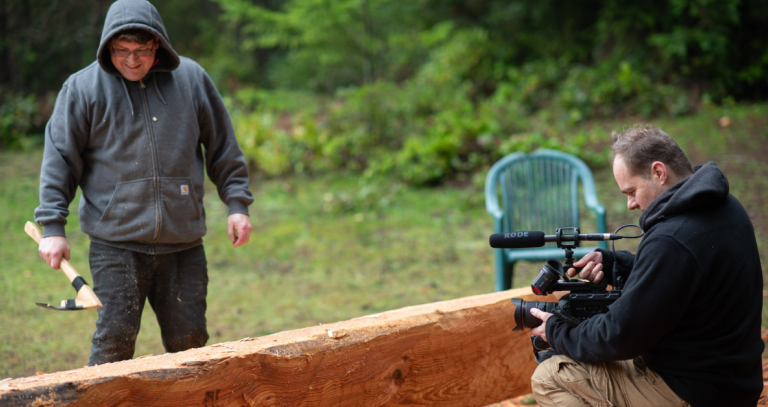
(453, 353)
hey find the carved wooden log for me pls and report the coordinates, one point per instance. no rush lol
(453, 353)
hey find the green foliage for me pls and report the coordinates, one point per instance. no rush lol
(196, 31)
(426, 90)
(329, 44)
(429, 129)
(19, 115)
(277, 150)
(322, 45)
(44, 41)
(438, 90)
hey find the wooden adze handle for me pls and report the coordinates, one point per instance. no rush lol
(86, 298)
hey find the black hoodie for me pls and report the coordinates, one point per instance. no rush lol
(692, 302)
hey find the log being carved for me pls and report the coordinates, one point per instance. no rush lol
(452, 353)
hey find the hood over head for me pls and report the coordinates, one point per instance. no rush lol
(128, 14)
(707, 186)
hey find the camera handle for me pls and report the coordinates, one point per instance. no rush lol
(574, 238)
(569, 263)
(541, 349)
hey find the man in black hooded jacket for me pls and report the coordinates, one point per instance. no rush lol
(686, 329)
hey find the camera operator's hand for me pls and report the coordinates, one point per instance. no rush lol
(592, 267)
(540, 330)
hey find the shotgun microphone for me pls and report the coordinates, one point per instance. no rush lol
(517, 240)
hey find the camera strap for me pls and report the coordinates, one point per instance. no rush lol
(565, 317)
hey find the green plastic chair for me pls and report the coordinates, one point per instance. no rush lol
(538, 191)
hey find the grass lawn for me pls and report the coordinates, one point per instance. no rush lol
(327, 248)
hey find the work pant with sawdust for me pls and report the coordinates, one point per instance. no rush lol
(561, 381)
(175, 284)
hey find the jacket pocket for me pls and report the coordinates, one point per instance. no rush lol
(182, 217)
(131, 214)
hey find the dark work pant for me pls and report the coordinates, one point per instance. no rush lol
(175, 285)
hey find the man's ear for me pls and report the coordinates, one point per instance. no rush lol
(659, 172)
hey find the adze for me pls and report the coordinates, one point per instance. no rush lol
(86, 298)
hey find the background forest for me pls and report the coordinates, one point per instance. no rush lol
(369, 127)
(425, 90)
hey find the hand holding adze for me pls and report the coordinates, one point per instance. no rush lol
(86, 298)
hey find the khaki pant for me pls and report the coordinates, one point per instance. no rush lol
(561, 381)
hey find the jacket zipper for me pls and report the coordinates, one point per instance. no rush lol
(158, 213)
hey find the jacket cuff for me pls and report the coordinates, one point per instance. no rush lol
(237, 206)
(607, 259)
(553, 325)
(54, 229)
(623, 259)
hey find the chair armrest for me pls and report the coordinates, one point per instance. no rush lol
(491, 197)
(492, 202)
(590, 199)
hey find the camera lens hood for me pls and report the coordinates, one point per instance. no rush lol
(522, 314)
(518, 314)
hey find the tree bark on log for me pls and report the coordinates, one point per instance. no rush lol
(453, 353)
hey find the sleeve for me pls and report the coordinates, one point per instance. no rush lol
(66, 135)
(653, 302)
(224, 160)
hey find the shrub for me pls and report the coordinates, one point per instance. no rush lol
(435, 127)
(18, 118)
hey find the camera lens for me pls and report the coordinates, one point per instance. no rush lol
(522, 315)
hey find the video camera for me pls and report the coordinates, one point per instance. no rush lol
(585, 300)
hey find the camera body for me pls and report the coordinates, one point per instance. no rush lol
(584, 300)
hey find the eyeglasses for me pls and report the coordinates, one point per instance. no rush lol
(124, 53)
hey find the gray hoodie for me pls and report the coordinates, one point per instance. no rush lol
(138, 150)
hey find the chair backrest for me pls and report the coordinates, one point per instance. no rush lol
(539, 191)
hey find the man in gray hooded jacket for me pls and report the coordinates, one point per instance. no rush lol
(136, 131)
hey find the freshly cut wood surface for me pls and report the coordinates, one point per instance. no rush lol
(453, 353)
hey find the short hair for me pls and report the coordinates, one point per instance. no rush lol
(642, 144)
(135, 35)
